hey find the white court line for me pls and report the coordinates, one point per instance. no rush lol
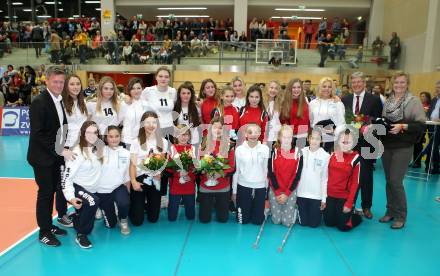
(24, 178)
(25, 237)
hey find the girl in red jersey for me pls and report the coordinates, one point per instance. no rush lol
(254, 111)
(343, 182)
(295, 111)
(210, 97)
(217, 196)
(179, 191)
(285, 167)
(229, 112)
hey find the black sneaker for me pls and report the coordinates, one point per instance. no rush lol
(65, 221)
(58, 231)
(49, 239)
(83, 241)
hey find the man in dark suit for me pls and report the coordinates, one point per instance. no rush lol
(367, 104)
(434, 141)
(46, 151)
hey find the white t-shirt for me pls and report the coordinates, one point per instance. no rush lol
(130, 116)
(160, 102)
(239, 103)
(114, 170)
(184, 120)
(74, 121)
(142, 153)
(274, 122)
(105, 117)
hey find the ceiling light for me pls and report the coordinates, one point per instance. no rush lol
(359, 18)
(93, 2)
(296, 17)
(27, 10)
(1, 11)
(182, 8)
(17, 3)
(98, 9)
(52, 3)
(310, 10)
(183, 16)
(75, 16)
(44, 16)
(60, 9)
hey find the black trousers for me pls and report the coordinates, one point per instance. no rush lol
(49, 181)
(138, 206)
(334, 217)
(366, 183)
(219, 201)
(60, 200)
(84, 219)
(119, 196)
(250, 205)
(307, 41)
(309, 211)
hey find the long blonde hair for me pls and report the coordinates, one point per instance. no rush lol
(114, 99)
(238, 78)
(321, 82)
(278, 99)
(208, 143)
(221, 105)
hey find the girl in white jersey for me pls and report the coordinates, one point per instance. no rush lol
(273, 99)
(161, 98)
(239, 90)
(104, 111)
(112, 185)
(189, 113)
(142, 185)
(132, 111)
(76, 112)
(80, 181)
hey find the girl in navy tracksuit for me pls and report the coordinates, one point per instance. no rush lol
(182, 183)
(80, 181)
(250, 178)
(285, 167)
(114, 181)
(343, 182)
(254, 111)
(229, 112)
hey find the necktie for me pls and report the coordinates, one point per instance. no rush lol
(356, 108)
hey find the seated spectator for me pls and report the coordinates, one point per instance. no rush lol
(235, 40)
(91, 88)
(97, 44)
(67, 51)
(12, 97)
(358, 58)
(206, 48)
(150, 36)
(340, 46)
(377, 46)
(35, 92)
(5, 81)
(196, 46)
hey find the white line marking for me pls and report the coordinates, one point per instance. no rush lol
(25, 178)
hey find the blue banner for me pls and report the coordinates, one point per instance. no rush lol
(14, 121)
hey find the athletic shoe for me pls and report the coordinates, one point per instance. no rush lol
(65, 221)
(83, 241)
(58, 231)
(98, 214)
(125, 230)
(437, 198)
(49, 239)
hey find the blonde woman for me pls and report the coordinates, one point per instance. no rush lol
(273, 99)
(105, 109)
(239, 90)
(327, 112)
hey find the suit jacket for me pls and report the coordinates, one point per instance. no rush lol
(44, 126)
(371, 107)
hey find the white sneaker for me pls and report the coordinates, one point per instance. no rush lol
(163, 202)
(98, 214)
(125, 230)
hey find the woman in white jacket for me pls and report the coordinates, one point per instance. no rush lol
(250, 179)
(80, 180)
(327, 111)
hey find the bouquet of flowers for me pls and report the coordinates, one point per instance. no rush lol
(211, 165)
(182, 163)
(358, 121)
(153, 165)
